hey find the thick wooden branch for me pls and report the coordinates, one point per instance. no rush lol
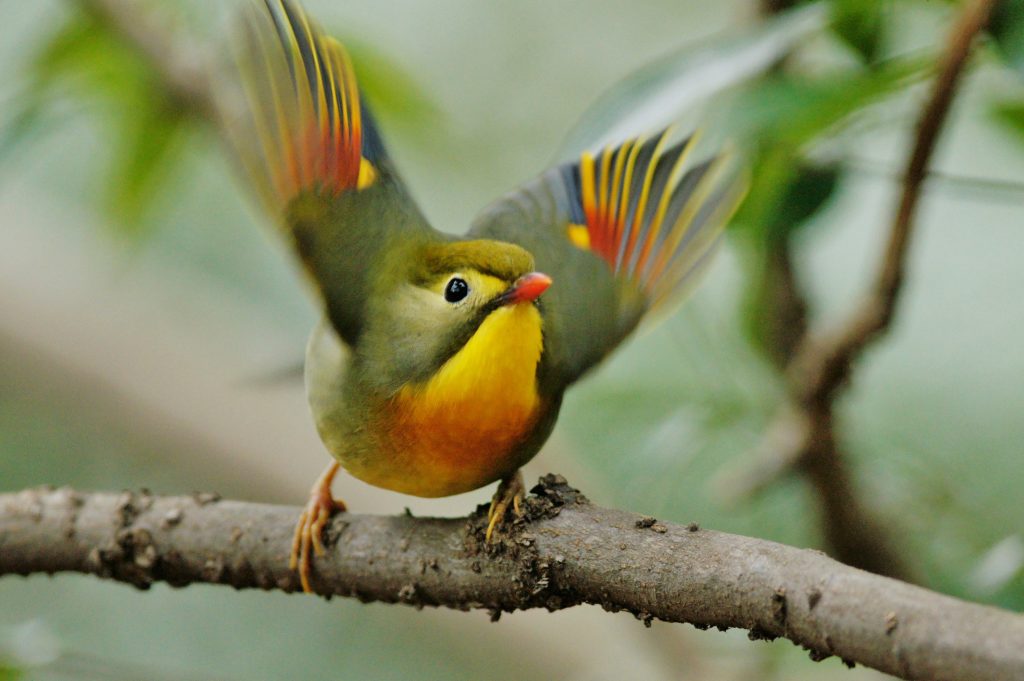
(565, 551)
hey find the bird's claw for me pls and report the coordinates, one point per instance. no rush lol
(510, 493)
(309, 530)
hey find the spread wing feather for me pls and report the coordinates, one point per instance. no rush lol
(623, 232)
(311, 147)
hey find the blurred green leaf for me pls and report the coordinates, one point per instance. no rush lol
(859, 24)
(31, 105)
(767, 311)
(1011, 115)
(83, 59)
(8, 672)
(144, 156)
(782, 115)
(811, 188)
(147, 128)
(1007, 28)
(780, 119)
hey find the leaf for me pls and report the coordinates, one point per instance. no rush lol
(778, 118)
(859, 24)
(1007, 29)
(664, 92)
(89, 61)
(9, 673)
(85, 60)
(31, 106)
(144, 156)
(1011, 114)
(804, 196)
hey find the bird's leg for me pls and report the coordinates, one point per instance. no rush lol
(510, 492)
(308, 530)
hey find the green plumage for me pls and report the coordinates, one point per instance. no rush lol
(619, 233)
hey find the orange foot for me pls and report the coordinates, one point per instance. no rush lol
(510, 492)
(308, 530)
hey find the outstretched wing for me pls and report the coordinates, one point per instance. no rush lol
(311, 148)
(622, 233)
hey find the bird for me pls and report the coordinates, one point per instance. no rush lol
(440, 362)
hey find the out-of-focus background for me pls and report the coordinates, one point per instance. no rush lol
(146, 307)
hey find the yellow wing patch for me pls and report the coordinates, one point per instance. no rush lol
(579, 235)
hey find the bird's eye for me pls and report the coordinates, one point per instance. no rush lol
(456, 290)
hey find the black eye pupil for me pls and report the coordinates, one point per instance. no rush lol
(456, 290)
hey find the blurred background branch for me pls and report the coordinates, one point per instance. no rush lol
(568, 552)
(819, 364)
(184, 73)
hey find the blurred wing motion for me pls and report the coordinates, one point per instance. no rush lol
(313, 151)
(622, 232)
(653, 214)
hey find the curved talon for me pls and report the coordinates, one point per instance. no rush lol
(309, 529)
(510, 491)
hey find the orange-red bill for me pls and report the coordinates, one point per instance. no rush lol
(526, 288)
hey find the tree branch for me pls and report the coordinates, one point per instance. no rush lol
(180, 68)
(565, 552)
(823, 362)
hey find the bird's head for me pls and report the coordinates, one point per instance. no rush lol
(444, 297)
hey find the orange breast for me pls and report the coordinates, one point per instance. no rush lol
(455, 447)
(462, 428)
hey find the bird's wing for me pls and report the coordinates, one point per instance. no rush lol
(622, 233)
(312, 149)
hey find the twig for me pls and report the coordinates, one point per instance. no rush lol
(822, 363)
(182, 70)
(567, 552)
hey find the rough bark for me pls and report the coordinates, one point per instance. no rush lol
(565, 551)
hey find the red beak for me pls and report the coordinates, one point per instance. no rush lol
(526, 288)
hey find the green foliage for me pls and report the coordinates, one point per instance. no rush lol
(144, 126)
(9, 672)
(1007, 29)
(142, 122)
(860, 24)
(1011, 114)
(782, 116)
